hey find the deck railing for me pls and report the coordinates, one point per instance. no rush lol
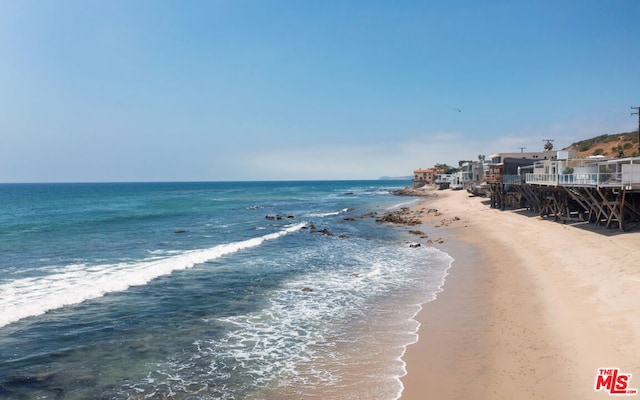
(618, 179)
(613, 179)
(512, 179)
(578, 179)
(542, 179)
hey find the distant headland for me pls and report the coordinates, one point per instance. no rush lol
(396, 178)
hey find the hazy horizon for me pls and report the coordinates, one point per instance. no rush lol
(253, 90)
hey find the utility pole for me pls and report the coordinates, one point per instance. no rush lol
(638, 114)
(522, 149)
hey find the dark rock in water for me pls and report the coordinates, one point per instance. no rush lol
(369, 214)
(278, 217)
(86, 379)
(343, 236)
(180, 231)
(38, 380)
(349, 219)
(325, 231)
(58, 390)
(348, 193)
(307, 289)
(414, 245)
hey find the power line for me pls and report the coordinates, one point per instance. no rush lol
(638, 114)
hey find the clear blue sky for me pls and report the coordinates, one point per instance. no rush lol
(250, 90)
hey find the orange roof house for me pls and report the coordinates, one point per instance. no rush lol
(427, 176)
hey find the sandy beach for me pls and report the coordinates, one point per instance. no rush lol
(531, 308)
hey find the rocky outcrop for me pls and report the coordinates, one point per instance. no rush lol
(403, 216)
(313, 229)
(417, 189)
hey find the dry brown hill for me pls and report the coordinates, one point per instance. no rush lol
(615, 145)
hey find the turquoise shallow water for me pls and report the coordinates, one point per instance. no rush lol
(188, 290)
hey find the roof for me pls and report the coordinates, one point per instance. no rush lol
(623, 160)
(417, 171)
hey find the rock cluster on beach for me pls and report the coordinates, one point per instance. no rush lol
(413, 216)
(417, 190)
(407, 216)
(403, 216)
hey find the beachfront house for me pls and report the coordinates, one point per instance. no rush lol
(425, 176)
(501, 164)
(596, 171)
(472, 176)
(551, 172)
(472, 172)
(457, 181)
(594, 189)
(506, 169)
(443, 181)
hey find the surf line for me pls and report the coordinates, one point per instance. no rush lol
(31, 297)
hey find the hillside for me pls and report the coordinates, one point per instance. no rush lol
(615, 145)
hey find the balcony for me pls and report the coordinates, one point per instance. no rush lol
(542, 179)
(512, 179)
(613, 179)
(492, 178)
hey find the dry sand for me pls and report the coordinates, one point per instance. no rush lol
(531, 308)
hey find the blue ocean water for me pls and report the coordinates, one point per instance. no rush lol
(207, 290)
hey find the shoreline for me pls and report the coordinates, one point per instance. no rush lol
(525, 306)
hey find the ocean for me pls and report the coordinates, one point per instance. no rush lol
(222, 290)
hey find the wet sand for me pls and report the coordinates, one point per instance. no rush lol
(531, 308)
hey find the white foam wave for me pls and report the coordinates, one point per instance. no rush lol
(328, 214)
(76, 283)
(404, 204)
(297, 339)
(350, 312)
